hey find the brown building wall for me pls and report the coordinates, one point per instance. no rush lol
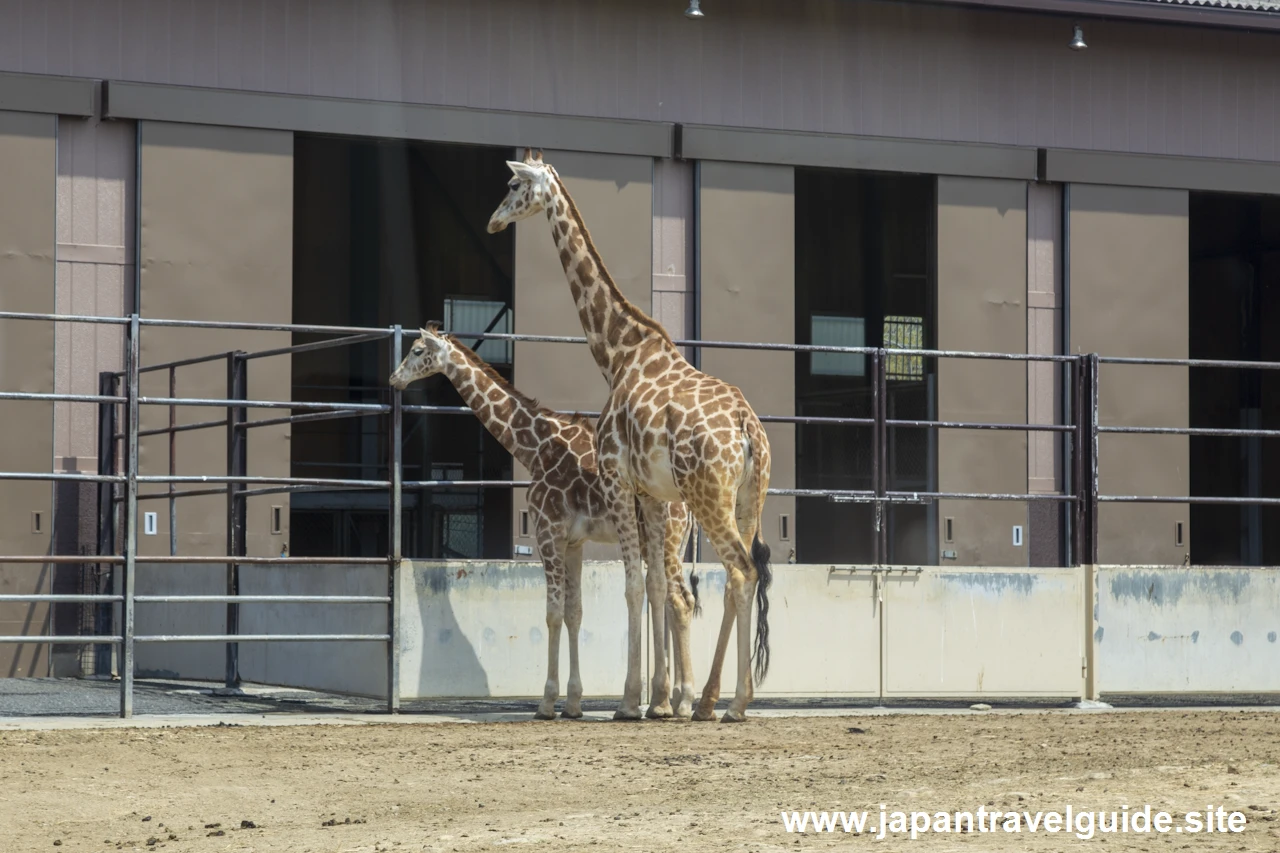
(900, 69)
(615, 197)
(1129, 297)
(28, 166)
(217, 225)
(1044, 379)
(982, 290)
(747, 272)
(874, 69)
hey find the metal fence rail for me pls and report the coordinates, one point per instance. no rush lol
(118, 480)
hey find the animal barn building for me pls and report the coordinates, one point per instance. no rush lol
(952, 175)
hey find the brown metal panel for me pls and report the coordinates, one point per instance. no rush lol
(615, 196)
(888, 69)
(1190, 173)
(1044, 380)
(673, 226)
(746, 275)
(377, 118)
(96, 202)
(982, 293)
(850, 152)
(216, 244)
(28, 172)
(1129, 297)
(39, 93)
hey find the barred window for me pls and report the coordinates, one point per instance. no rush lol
(901, 332)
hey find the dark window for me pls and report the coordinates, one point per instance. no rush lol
(864, 277)
(1235, 315)
(394, 232)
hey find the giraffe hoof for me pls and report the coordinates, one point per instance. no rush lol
(660, 712)
(704, 715)
(627, 715)
(732, 716)
(567, 714)
(543, 715)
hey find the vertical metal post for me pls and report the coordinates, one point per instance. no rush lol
(173, 467)
(1080, 419)
(108, 517)
(882, 416)
(1086, 462)
(237, 459)
(130, 522)
(877, 436)
(1094, 376)
(394, 544)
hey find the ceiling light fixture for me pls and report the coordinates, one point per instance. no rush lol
(1077, 39)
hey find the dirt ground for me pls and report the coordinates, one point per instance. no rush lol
(624, 786)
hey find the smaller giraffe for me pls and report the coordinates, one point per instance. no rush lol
(567, 507)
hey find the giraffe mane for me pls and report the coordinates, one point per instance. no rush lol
(497, 378)
(633, 310)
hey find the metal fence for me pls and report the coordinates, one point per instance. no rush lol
(118, 479)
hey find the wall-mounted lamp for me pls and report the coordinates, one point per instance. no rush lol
(694, 12)
(1077, 39)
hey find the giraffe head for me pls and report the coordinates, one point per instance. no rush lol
(530, 190)
(426, 358)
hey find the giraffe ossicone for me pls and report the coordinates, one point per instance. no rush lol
(668, 432)
(566, 506)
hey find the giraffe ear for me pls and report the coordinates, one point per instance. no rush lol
(520, 170)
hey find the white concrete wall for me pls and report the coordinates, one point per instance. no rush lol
(1165, 629)
(824, 629)
(984, 632)
(478, 629)
(474, 629)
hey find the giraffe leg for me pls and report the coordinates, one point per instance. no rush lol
(740, 587)
(551, 549)
(679, 614)
(573, 621)
(669, 646)
(706, 710)
(652, 528)
(743, 692)
(621, 505)
(680, 698)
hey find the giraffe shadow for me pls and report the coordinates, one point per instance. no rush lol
(449, 664)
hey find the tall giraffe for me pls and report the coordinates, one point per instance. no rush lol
(566, 504)
(668, 432)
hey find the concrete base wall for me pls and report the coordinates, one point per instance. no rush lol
(1161, 629)
(351, 667)
(473, 629)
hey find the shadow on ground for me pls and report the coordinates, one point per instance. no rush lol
(75, 697)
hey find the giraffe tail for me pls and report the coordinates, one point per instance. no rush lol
(691, 532)
(760, 554)
(756, 488)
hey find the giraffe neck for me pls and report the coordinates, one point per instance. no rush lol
(496, 402)
(614, 326)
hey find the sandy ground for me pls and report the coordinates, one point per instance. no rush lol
(625, 786)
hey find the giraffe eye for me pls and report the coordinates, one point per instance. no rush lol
(417, 351)
(515, 184)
